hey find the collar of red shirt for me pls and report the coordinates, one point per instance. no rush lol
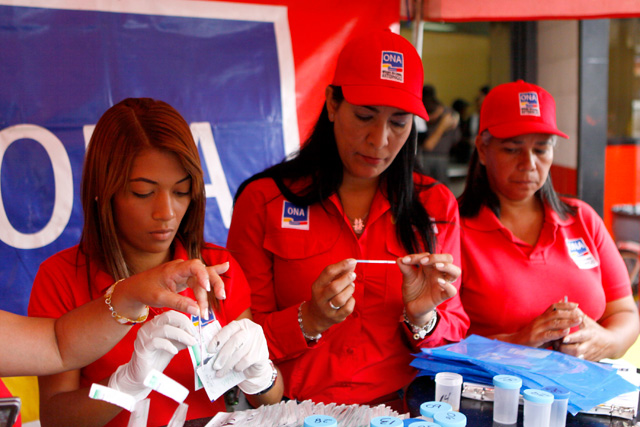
(486, 220)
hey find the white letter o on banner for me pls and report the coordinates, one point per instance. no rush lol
(63, 179)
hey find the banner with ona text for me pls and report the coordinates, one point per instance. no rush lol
(228, 67)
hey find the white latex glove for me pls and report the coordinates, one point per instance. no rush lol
(157, 342)
(241, 346)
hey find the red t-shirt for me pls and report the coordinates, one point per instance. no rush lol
(506, 283)
(4, 392)
(283, 250)
(61, 285)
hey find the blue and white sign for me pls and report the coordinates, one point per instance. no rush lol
(227, 68)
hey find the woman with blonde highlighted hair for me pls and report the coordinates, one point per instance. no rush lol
(127, 129)
(144, 203)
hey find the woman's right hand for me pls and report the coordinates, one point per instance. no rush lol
(331, 297)
(159, 287)
(549, 328)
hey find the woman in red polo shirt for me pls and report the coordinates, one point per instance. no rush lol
(144, 204)
(340, 330)
(538, 269)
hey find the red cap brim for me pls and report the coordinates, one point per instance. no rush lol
(386, 96)
(512, 129)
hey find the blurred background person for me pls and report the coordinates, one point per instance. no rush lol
(461, 150)
(442, 133)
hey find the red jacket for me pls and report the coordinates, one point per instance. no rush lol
(367, 355)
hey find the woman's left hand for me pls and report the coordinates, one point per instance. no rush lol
(242, 346)
(591, 342)
(427, 283)
(611, 336)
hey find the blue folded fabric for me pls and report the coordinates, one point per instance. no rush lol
(478, 359)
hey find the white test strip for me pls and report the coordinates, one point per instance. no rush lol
(140, 414)
(375, 261)
(113, 396)
(179, 416)
(165, 385)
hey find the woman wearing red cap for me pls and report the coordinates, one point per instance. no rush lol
(342, 330)
(538, 269)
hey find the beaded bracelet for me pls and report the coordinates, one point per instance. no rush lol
(121, 319)
(274, 377)
(307, 336)
(419, 332)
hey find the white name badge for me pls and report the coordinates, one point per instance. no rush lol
(580, 254)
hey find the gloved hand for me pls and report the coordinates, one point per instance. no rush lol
(157, 342)
(241, 346)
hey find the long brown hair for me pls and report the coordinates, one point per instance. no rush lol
(122, 132)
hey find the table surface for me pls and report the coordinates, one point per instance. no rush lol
(480, 413)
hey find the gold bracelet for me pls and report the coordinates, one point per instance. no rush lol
(121, 319)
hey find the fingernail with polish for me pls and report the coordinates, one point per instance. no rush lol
(406, 260)
(441, 281)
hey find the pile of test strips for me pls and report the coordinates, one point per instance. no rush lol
(292, 414)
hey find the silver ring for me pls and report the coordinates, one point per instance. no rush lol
(333, 306)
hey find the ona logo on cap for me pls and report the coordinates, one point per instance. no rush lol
(529, 105)
(295, 217)
(392, 67)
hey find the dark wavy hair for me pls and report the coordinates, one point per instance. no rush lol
(319, 162)
(478, 192)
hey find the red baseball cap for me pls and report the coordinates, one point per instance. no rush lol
(518, 108)
(381, 68)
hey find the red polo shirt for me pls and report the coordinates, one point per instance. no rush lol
(282, 252)
(506, 283)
